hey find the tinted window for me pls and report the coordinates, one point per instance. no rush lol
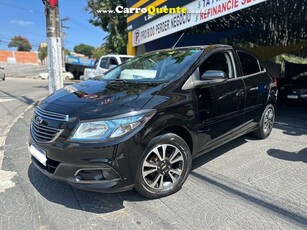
(249, 64)
(103, 63)
(216, 61)
(113, 61)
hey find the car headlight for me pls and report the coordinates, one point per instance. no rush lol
(112, 128)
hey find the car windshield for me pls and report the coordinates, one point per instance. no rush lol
(159, 66)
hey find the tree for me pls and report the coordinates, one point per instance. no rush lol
(114, 24)
(42, 53)
(84, 49)
(98, 52)
(21, 43)
(66, 52)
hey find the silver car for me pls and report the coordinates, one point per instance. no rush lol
(2, 74)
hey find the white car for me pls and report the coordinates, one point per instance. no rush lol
(104, 64)
(65, 75)
(2, 74)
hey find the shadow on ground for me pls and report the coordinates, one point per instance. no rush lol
(289, 156)
(70, 197)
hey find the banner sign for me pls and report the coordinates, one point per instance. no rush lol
(197, 12)
(146, 18)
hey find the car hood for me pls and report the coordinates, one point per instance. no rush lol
(97, 99)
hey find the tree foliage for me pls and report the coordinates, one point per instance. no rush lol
(84, 49)
(98, 52)
(21, 43)
(42, 52)
(114, 24)
(66, 52)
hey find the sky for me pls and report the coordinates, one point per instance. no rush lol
(27, 18)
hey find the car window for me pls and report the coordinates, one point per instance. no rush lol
(103, 63)
(218, 61)
(250, 64)
(158, 66)
(113, 61)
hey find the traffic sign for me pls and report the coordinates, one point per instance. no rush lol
(53, 3)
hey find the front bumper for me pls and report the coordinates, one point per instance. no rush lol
(103, 169)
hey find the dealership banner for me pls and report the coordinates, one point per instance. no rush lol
(194, 13)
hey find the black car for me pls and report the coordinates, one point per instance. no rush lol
(141, 125)
(295, 89)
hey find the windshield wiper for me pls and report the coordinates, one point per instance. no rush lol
(120, 80)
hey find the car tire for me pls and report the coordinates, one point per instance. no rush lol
(164, 167)
(266, 123)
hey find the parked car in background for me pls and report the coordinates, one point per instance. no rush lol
(104, 64)
(65, 75)
(2, 74)
(141, 125)
(295, 89)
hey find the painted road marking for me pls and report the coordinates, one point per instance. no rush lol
(7, 100)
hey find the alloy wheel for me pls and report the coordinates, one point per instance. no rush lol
(268, 120)
(163, 167)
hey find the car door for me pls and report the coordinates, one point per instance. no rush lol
(253, 75)
(220, 106)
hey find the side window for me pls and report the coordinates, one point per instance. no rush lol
(250, 64)
(113, 61)
(103, 63)
(217, 61)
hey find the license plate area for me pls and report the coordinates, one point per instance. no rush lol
(292, 96)
(38, 154)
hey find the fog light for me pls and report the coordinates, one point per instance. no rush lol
(109, 174)
(88, 175)
(96, 174)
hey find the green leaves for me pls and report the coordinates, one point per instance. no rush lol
(113, 23)
(84, 49)
(21, 43)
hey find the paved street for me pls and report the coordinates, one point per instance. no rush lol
(16, 96)
(245, 184)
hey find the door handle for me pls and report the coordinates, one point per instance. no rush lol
(240, 93)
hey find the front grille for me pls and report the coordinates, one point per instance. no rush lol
(51, 115)
(43, 133)
(40, 130)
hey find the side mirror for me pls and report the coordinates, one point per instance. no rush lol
(209, 78)
(214, 75)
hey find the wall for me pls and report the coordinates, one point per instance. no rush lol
(18, 57)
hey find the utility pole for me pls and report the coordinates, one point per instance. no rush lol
(63, 36)
(54, 44)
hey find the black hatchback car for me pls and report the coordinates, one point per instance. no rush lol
(143, 122)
